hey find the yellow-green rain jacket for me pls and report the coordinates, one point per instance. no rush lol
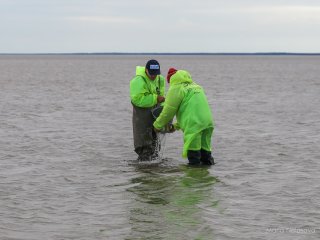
(143, 91)
(188, 102)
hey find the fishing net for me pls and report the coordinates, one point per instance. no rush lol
(161, 136)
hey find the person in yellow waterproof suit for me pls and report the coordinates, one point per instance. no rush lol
(187, 101)
(146, 92)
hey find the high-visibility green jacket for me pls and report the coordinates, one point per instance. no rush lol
(188, 102)
(143, 91)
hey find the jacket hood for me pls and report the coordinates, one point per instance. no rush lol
(141, 71)
(181, 76)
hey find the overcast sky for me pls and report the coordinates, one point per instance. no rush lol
(41, 26)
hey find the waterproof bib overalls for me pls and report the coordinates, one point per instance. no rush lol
(143, 94)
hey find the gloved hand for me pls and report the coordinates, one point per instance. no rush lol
(156, 130)
(171, 128)
(167, 129)
(160, 99)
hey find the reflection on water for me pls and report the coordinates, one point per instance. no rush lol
(66, 140)
(169, 202)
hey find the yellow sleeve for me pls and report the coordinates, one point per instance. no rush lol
(140, 94)
(171, 105)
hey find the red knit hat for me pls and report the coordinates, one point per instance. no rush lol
(170, 73)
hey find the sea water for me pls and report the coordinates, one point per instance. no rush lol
(68, 169)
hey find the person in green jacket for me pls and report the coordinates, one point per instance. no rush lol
(187, 101)
(146, 92)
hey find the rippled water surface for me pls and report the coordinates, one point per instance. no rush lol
(68, 170)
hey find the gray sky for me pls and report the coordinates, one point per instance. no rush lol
(39, 26)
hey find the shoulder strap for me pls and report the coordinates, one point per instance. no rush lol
(145, 81)
(159, 85)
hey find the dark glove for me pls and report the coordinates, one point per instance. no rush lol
(171, 128)
(160, 99)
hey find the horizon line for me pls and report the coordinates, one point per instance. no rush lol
(167, 53)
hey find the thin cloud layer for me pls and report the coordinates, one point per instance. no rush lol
(159, 26)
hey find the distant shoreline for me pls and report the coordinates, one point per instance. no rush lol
(175, 54)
